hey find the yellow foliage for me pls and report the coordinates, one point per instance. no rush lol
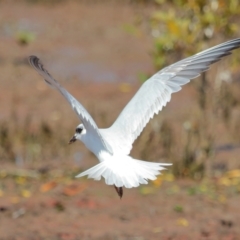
(21, 180)
(230, 178)
(182, 222)
(233, 173)
(26, 193)
(225, 181)
(145, 190)
(125, 87)
(158, 181)
(168, 177)
(173, 27)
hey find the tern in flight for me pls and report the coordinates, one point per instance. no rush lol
(112, 145)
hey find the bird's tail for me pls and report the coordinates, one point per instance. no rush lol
(126, 172)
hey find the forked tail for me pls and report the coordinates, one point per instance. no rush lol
(126, 172)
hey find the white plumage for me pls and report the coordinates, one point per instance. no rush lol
(113, 145)
(124, 171)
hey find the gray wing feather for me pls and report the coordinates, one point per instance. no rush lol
(82, 113)
(156, 92)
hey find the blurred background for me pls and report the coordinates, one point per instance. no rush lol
(101, 52)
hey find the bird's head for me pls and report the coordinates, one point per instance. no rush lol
(79, 133)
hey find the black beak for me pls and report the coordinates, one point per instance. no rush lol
(72, 140)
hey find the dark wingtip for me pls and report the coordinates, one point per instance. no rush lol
(34, 61)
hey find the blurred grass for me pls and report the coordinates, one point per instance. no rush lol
(19, 141)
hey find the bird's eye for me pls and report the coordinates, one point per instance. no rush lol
(79, 130)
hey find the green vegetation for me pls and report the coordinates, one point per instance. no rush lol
(25, 37)
(178, 208)
(182, 27)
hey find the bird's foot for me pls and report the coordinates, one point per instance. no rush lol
(119, 191)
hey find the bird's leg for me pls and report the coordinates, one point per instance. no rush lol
(119, 191)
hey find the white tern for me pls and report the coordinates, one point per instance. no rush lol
(112, 145)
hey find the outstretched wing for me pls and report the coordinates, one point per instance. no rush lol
(156, 93)
(82, 113)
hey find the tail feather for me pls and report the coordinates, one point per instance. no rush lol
(127, 172)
